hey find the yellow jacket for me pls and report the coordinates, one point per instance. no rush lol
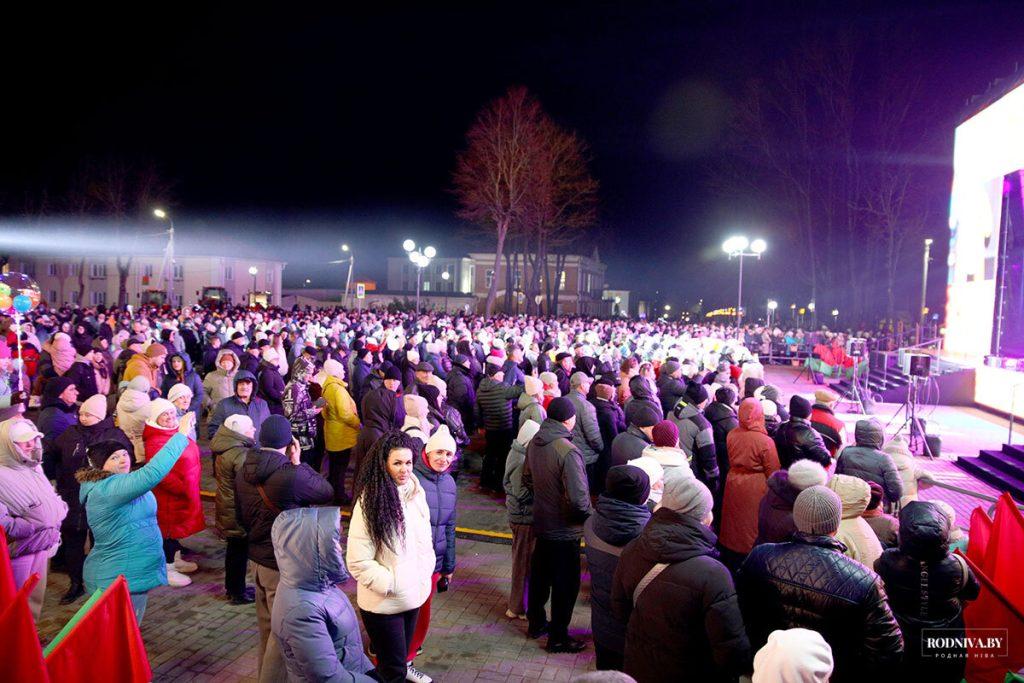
(341, 421)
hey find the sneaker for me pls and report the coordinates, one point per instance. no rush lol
(176, 578)
(568, 645)
(183, 566)
(538, 632)
(415, 675)
(244, 598)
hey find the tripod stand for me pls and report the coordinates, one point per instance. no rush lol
(910, 418)
(854, 395)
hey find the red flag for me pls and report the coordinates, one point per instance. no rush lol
(1000, 607)
(105, 634)
(7, 587)
(981, 531)
(22, 658)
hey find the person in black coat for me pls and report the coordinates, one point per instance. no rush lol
(611, 421)
(619, 516)
(927, 587)
(270, 381)
(361, 369)
(671, 385)
(797, 439)
(381, 411)
(462, 392)
(210, 351)
(563, 370)
(809, 583)
(721, 413)
(684, 624)
(81, 371)
(249, 360)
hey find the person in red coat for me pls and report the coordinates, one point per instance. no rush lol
(825, 422)
(179, 510)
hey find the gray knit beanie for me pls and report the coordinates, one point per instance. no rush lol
(817, 511)
(685, 495)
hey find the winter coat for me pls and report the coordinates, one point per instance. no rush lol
(132, 412)
(84, 376)
(697, 439)
(382, 411)
(629, 445)
(831, 428)
(518, 498)
(313, 620)
(285, 485)
(854, 532)
(752, 460)
(393, 581)
(27, 494)
(138, 365)
(301, 413)
(606, 532)
(910, 471)
(530, 409)
(462, 395)
(670, 391)
(927, 586)
(179, 507)
(341, 421)
(611, 421)
(640, 392)
(256, 409)
(122, 513)
(218, 384)
(687, 621)
(808, 583)
(797, 440)
(586, 434)
(229, 449)
(775, 513)
(886, 527)
(55, 415)
(271, 386)
(555, 473)
(723, 420)
(66, 456)
(189, 378)
(867, 461)
(249, 363)
(439, 489)
(495, 401)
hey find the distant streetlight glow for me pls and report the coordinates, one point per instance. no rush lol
(446, 276)
(758, 246)
(810, 307)
(408, 245)
(344, 247)
(430, 252)
(421, 260)
(772, 305)
(159, 213)
(253, 270)
(736, 246)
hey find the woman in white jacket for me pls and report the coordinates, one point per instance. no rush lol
(391, 553)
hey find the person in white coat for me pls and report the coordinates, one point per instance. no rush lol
(391, 553)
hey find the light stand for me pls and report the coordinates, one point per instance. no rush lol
(911, 419)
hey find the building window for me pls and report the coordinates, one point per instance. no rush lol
(426, 286)
(179, 272)
(74, 296)
(229, 273)
(97, 298)
(73, 270)
(561, 282)
(488, 278)
(52, 300)
(147, 270)
(270, 277)
(51, 269)
(98, 270)
(517, 280)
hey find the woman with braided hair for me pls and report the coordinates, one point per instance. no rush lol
(391, 553)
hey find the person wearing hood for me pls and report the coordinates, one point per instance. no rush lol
(382, 411)
(797, 439)
(219, 382)
(341, 427)
(677, 600)
(641, 418)
(855, 533)
(795, 655)
(665, 450)
(927, 586)
(243, 402)
(529, 404)
(770, 392)
(824, 420)
(519, 504)
(642, 391)
(619, 516)
(867, 461)
(229, 447)
(586, 435)
(270, 381)
(671, 386)
(912, 474)
(495, 400)
(132, 411)
(178, 370)
(721, 413)
(775, 513)
(58, 408)
(27, 495)
(554, 472)
(696, 436)
(62, 458)
(313, 621)
(272, 479)
(808, 583)
(432, 468)
(391, 554)
(462, 392)
(57, 357)
(122, 513)
(179, 507)
(81, 371)
(149, 364)
(416, 424)
(611, 421)
(753, 460)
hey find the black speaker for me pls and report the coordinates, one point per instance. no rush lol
(919, 365)
(934, 445)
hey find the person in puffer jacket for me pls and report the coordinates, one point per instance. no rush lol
(912, 474)
(131, 414)
(312, 619)
(229, 447)
(927, 587)
(619, 517)
(796, 439)
(519, 504)
(641, 392)
(529, 405)
(220, 383)
(432, 468)
(696, 436)
(867, 461)
(178, 370)
(855, 533)
(58, 408)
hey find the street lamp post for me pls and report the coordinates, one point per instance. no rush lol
(814, 316)
(168, 255)
(348, 280)
(924, 279)
(445, 276)
(835, 317)
(253, 270)
(772, 305)
(421, 259)
(737, 247)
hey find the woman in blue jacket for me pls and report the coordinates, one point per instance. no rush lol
(312, 619)
(121, 510)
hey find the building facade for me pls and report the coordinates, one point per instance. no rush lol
(580, 287)
(402, 275)
(93, 281)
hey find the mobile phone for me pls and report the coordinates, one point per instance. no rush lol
(320, 402)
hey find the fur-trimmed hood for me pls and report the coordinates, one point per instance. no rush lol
(91, 474)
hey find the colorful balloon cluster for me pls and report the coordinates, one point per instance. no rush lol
(18, 292)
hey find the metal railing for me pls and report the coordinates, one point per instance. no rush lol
(974, 494)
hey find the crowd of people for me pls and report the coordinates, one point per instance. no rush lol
(727, 533)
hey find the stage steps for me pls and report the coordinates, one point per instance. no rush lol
(1002, 469)
(891, 386)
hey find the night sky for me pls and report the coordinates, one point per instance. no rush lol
(344, 127)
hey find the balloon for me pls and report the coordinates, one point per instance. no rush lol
(22, 303)
(5, 302)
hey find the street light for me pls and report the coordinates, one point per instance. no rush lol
(737, 247)
(169, 256)
(835, 316)
(924, 278)
(252, 297)
(772, 305)
(421, 260)
(348, 280)
(446, 276)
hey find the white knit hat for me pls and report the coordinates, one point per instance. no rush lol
(797, 655)
(240, 424)
(806, 473)
(177, 391)
(157, 407)
(534, 387)
(441, 440)
(95, 405)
